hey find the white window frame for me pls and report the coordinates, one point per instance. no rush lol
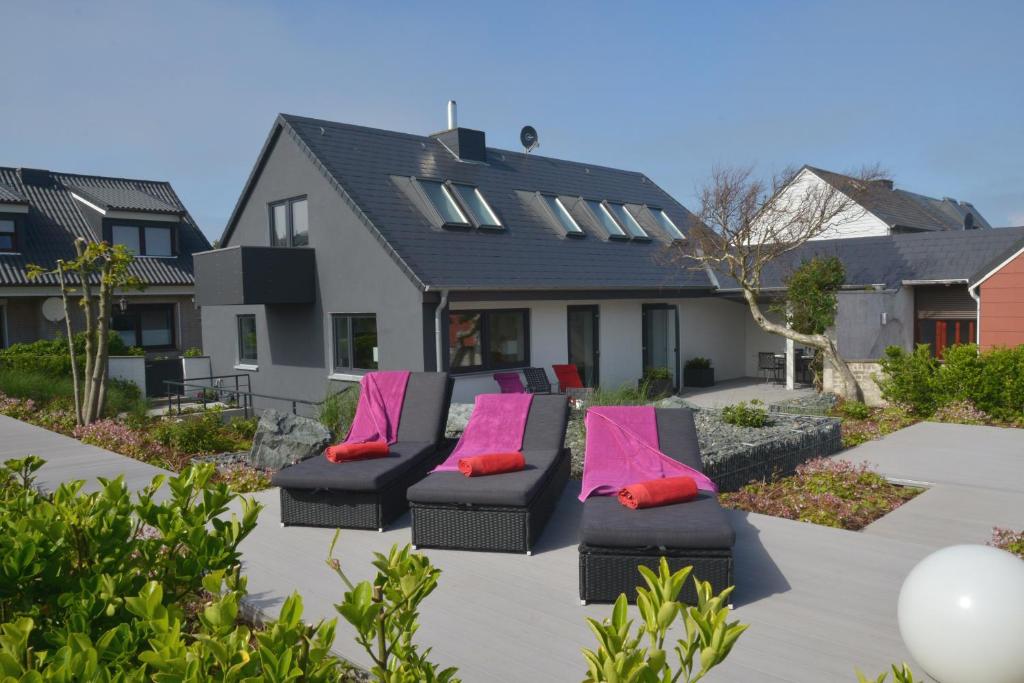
(338, 371)
(600, 224)
(630, 220)
(560, 206)
(494, 222)
(449, 196)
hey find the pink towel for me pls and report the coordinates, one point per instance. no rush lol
(381, 397)
(496, 426)
(622, 449)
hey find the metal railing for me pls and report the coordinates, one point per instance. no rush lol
(241, 394)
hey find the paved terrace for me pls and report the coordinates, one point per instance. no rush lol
(819, 601)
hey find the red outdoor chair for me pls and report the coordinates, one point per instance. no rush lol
(509, 383)
(568, 377)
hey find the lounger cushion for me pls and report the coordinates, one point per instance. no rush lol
(699, 523)
(543, 440)
(362, 475)
(677, 436)
(425, 409)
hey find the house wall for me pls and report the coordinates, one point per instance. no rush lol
(1002, 306)
(715, 328)
(354, 275)
(860, 334)
(757, 340)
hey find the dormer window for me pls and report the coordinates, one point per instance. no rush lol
(561, 214)
(8, 234)
(289, 223)
(444, 203)
(666, 224)
(626, 220)
(477, 206)
(152, 239)
(605, 220)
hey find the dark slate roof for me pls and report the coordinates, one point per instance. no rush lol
(902, 209)
(55, 219)
(122, 198)
(529, 253)
(894, 259)
(8, 195)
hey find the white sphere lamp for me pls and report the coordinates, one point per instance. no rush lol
(961, 615)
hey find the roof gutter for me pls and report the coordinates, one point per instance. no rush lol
(973, 291)
(948, 281)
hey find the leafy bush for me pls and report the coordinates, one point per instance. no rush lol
(42, 387)
(337, 411)
(961, 412)
(146, 590)
(51, 355)
(623, 655)
(878, 423)
(385, 614)
(824, 491)
(855, 410)
(910, 378)
(656, 374)
(698, 363)
(205, 433)
(743, 414)
(192, 352)
(1007, 539)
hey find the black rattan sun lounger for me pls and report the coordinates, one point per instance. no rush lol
(615, 539)
(368, 494)
(503, 512)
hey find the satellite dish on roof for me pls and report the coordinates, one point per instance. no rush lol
(528, 136)
(53, 309)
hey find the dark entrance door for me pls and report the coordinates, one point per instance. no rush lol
(661, 339)
(584, 348)
(158, 370)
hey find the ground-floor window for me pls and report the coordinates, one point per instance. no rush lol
(247, 338)
(355, 341)
(148, 326)
(488, 340)
(941, 333)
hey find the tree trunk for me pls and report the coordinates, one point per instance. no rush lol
(88, 416)
(103, 350)
(850, 388)
(71, 344)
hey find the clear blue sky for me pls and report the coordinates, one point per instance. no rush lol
(187, 91)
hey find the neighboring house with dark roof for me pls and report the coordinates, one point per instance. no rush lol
(880, 208)
(41, 215)
(352, 249)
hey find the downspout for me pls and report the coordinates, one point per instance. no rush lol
(973, 291)
(439, 330)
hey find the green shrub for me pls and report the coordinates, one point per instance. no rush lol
(854, 410)
(205, 433)
(698, 363)
(743, 414)
(656, 374)
(625, 395)
(911, 379)
(51, 355)
(337, 411)
(192, 352)
(44, 387)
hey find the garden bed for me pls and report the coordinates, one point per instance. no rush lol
(815, 404)
(823, 491)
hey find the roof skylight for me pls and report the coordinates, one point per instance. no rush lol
(477, 206)
(443, 201)
(667, 225)
(606, 220)
(626, 219)
(562, 214)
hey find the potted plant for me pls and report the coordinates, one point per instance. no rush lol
(697, 372)
(658, 382)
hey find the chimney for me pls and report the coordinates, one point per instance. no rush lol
(465, 144)
(883, 183)
(35, 176)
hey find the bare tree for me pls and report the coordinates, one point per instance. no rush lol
(748, 223)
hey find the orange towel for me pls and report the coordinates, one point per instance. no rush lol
(344, 452)
(649, 494)
(492, 463)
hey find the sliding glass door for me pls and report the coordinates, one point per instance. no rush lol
(584, 350)
(661, 339)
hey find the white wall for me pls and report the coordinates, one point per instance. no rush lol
(758, 340)
(129, 368)
(715, 329)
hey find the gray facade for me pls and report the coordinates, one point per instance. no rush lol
(353, 273)
(869, 321)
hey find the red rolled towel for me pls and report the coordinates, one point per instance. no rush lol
(344, 452)
(492, 463)
(649, 494)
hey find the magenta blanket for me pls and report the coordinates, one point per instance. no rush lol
(623, 449)
(381, 396)
(496, 426)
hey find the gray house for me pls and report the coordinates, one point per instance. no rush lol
(353, 248)
(41, 215)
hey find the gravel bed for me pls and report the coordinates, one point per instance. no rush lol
(221, 459)
(816, 404)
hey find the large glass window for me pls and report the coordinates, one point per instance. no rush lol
(562, 214)
(247, 339)
(8, 234)
(478, 207)
(488, 340)
(667, 225)
(625, 218)
(355, 342)
(127, 236)
(605, 219)
(441, 199)
(149, 326)
(158, 241)
(289, 223)
(144, 240)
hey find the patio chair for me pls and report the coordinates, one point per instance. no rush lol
(369, 494)
(503, 512)
(570, 382)
(509, 383)
(537, 381)
(615, 539)
(768, 366)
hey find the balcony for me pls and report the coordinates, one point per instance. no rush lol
(245, 275)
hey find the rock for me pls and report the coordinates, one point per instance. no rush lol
(458, 417)
(283, 439)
